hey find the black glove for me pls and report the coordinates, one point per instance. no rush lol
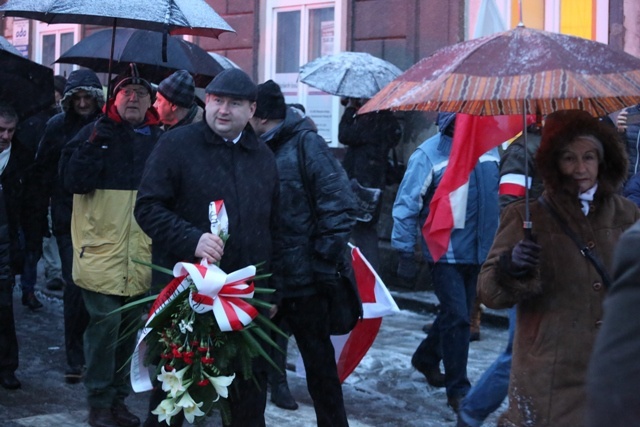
(104, 131)
(407, 265)
(525, 255)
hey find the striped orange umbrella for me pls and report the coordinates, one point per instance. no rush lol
(516, 70)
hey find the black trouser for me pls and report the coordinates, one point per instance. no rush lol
(8, 339)
(308, 319)
(76, 317)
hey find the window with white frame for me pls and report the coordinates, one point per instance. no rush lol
(299, 31)
(52, 41)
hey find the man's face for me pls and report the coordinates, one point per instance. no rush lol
(83, 103)
(228, 116)
(164, 108)
(132, 103)
(257, 125)
(7, 129)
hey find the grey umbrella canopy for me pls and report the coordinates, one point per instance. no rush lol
(351, 74)
(193, 17)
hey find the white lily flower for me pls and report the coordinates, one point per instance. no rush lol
(172, 381)
(190, 407)
(185, 326)
(221, 383)
(165, 410)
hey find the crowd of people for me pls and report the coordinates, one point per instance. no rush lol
(131, 179)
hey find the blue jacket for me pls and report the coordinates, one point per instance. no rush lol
(426, 167)
(632, 189)
(632, 141)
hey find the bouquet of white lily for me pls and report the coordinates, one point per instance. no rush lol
(201, 329)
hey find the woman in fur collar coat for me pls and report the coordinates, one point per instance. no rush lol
(558, 291)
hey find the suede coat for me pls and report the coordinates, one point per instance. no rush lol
(560, 302)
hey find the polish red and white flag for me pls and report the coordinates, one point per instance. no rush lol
(376, 303)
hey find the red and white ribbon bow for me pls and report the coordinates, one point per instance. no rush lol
(221, 293)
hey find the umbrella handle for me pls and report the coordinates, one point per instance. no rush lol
(113, 43)
(527, 226)
(164, 44)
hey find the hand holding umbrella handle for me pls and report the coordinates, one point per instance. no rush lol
(103, 132)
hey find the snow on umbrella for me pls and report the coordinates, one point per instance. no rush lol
(24, 84)
(351, 74)
(193, 17)
(144, 48)
(515, 72)
(223, 60)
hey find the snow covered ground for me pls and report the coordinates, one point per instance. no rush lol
(383, 391)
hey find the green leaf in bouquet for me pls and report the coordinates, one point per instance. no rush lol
(134, 304)
(258, 290)
(259, 303)
(154, 267)
(264, 321)
(254, 344)
(164, 315)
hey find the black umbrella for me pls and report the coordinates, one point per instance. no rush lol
(26, 85)
(144, 48)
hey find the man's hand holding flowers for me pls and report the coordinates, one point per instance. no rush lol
(210, 247)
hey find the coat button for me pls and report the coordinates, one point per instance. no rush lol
(597, 286)
(598, 323)
(591, 244)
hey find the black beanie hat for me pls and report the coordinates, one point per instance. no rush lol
(130, 77)
(233, 83)
(178, 88)
(270, 102)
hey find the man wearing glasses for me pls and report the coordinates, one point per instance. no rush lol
(102, 166)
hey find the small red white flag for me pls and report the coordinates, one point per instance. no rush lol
(376, 302)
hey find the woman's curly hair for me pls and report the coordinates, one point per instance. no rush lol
(563, 127)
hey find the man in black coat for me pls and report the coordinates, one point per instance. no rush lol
(14, 159)
(219, 158)
(82, 101)
(317, 209)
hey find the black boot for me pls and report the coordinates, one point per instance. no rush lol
(31, 301)
(280, 393)
(281, 396)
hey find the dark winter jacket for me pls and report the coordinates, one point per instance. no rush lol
(104, 176)
(12, 216)
(614, 373)
(61, 129)
(192, 167)
(368, 138)
(302, 249)
(512, 172)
